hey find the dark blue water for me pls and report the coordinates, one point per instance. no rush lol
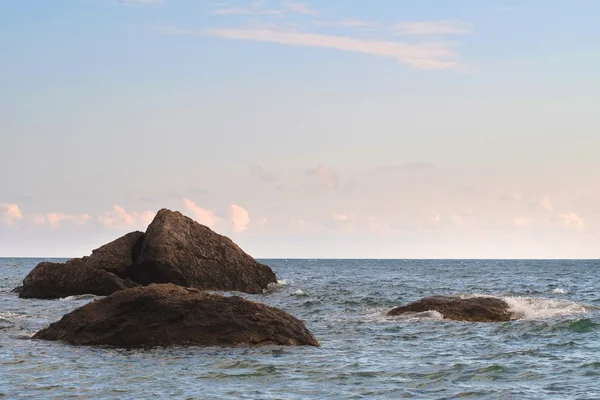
(552, 353)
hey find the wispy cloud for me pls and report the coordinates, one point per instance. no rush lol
(245, 11)
(299, 8)
(572, 220)
(239, 218)
(120, 218)
(350, 23)
(202, 215)
(432, 28)
(55, 219)
(139, 1)
(10, 212)
(428, 56)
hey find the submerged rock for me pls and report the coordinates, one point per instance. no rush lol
(166, 314)
(174, 249)
(474, 309)
(178, 250)
(53, 280)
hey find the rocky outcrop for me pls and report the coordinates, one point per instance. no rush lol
(474, 309)
(52, 280)
(174, 249)
(166, 314)
(117, 256)
(178, 250)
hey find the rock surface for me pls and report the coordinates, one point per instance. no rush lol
(166, 314)
(117, 256)
(174, 249)
(474, 309)
(178, 250)
(52, 280)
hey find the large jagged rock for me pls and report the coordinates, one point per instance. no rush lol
(53, 280)
(174, 249)
(166, 314)
(474, 309)
(117, 256)
(178, 250)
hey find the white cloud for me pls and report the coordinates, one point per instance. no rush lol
(572, 220)
(432, 28)
(428, 56)
(139, 1)
(120, 218)
(10, 213)
(203, 216)
(54, 219)
(239, 218)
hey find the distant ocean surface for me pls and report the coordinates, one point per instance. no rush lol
(553, 353)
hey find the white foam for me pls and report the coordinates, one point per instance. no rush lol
(537, 308)
(424, 315)
(68, 298)
(559, 291)
(298, 293)
(283, 282)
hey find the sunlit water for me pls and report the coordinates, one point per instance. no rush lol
(552, 353)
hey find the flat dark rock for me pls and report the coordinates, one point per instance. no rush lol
(178, 250)
(53, 280)
(474, 309)
(166, 315)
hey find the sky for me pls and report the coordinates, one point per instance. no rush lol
(304, 129)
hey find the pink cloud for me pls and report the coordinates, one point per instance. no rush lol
(429, 56)
(572, 220)
(55, 219)
(120, 218)
(10, 212)
(202, 215)
(239, 218)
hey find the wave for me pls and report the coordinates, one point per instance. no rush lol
(78, 297)
(538, 308)
(425, 315)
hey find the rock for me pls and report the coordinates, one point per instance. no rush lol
(166, 315)
(117, 256)
(17, 289)
(474, 309)
(178, 250)
(53, 280)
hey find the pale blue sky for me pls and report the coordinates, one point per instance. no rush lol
(402, 129)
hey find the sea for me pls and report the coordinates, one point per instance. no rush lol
(551, 352)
